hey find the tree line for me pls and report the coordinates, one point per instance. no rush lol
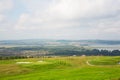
(93, 52)
(31, 52)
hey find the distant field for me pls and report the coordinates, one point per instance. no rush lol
(61, 68)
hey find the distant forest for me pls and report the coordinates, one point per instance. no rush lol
(24, 52)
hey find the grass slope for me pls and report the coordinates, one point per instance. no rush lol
(61, 68)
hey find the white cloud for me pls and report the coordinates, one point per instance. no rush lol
(72, 9)
(62, 10)
(5, 5)
(22, 21)
(6, 19)
(106, 26)
(2, 17)
(73, 17)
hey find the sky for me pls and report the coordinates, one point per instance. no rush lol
(60, 19)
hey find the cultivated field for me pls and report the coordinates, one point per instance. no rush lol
(61, 68)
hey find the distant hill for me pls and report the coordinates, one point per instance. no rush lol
(59, 42)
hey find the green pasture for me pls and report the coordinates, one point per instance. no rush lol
(61, 68)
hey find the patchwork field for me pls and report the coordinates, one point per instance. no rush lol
(61, 68)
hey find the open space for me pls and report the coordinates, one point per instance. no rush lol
(61, 68)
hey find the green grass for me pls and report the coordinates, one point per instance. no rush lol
(105, 61)
(61, 68)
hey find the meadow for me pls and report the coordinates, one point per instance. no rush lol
(61, 68)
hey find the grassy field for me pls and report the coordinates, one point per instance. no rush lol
(61, 68)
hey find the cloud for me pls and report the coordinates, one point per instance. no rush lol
(107, 27)
(2, 17)
(5, 5)
(66, 18)
(65, 11)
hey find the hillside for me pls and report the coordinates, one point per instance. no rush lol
(61, 68)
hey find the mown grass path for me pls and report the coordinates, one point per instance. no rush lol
(87, 62)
